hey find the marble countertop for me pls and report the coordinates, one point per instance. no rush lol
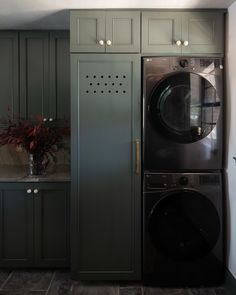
(56, 173)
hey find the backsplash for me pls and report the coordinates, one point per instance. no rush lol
(9, 156)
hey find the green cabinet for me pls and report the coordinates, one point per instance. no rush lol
(9, 96)
(34, 225)
(16, 226)
(160, 32)
(203, 32)
(106, 186)
(34, 74)
(186, 33)
(105, 31)
(44, 75)
(59, 78)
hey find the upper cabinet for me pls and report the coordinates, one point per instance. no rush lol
(9, 96)
(44, 75)
(34, 74)
(189, 33)
(161, 32)
(105, 31)
(202, 32)
(59, 88)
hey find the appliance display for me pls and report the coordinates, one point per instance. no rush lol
(183, 231)
(182, 107)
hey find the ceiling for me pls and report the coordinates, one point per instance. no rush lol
(54, 14)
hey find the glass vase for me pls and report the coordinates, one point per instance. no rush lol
(36, 165)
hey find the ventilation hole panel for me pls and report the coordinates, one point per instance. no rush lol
(104, 84)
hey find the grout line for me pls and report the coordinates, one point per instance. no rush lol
(50, 284)
(7, 279)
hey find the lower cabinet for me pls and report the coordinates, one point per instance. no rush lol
(34, 224)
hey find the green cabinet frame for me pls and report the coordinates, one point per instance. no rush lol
(34, 227)
(105, 31)
(106, 191)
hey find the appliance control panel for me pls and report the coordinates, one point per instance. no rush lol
(196, 64)
(159, 181)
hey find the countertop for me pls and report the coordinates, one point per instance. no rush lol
(56, 173)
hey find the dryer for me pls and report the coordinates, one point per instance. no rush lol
(183, 229)
(182, 113)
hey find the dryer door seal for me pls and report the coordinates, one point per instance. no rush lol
(185, 107)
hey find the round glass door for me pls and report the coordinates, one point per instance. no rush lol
(184, 107)
(184, 225)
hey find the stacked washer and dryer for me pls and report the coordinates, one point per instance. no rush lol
(182, 162)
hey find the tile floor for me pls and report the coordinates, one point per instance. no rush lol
(35, 282)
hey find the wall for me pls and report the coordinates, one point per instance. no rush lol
(54, 14)
(231, 137)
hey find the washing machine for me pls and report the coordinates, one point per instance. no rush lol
(183, 229)
(182, 113)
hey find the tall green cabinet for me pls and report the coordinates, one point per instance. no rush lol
(106, 187)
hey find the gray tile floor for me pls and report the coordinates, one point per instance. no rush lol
(35, 282)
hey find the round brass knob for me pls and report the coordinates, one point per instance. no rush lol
(185, 43)
(109, 42)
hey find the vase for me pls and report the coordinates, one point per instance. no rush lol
(36, 165)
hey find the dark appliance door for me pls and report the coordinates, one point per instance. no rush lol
(182, 230)
(184, 107)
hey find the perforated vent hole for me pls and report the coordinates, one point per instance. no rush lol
(104, 84)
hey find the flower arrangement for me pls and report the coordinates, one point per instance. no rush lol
(39, 139)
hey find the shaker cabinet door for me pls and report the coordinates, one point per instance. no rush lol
(161, 32)
(123, 31)
(59, 100)
(34, 74)
(106, 202)
(9, 97)
(16, 226)
(52, 225)
(87, 29)
(202, 32)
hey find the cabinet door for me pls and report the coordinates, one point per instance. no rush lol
(87, 28)
(105, 189)
(160, 32)
(123, 30)
(203, 31)
(51, 225)
(9, 96)
(59, 102)
(16, 226)
(34, 74)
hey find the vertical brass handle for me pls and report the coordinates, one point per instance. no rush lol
(137, 157)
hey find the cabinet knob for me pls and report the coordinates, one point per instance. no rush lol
(50, 119)
(109, 42)
(45, 119)
(36, 191)
(178, 42)
(101, 42)
(29, 191)
(185, 43)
